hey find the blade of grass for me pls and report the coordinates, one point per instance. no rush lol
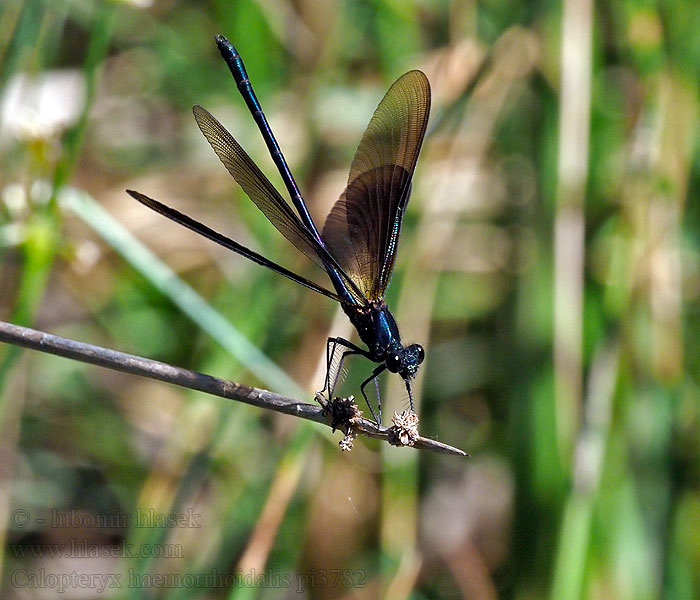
(24, 37)
(181, 294)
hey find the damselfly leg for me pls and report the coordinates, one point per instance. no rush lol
(333, 371)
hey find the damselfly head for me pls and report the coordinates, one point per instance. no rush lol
(405, 362)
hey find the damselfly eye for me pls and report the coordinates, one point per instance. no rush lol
(420, 353)
(393, 363)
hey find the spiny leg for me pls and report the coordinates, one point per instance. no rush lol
(331, 345)
(330, 353)
(338, 371)
(374, 376)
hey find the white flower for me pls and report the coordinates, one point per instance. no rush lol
(40, 106)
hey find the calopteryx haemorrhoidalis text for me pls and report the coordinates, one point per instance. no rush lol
(358, 243)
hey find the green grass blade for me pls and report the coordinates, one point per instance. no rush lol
(181, 294)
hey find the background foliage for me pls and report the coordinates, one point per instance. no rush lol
(549, 263)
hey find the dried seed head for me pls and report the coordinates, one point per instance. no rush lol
(344, 413)
(404, 431)
(346, 443)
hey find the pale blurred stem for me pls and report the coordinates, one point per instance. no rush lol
(569, 223)
(669, 160)
(589, 456)
(128, 363)
(254, 558)
(569, 252)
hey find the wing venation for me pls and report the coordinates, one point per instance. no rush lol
(362, 229)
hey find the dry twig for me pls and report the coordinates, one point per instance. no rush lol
(120, 361)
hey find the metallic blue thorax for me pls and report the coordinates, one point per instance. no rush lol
(376, 327)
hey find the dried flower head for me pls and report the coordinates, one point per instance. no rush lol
(344, 413)
(346, 443)
(404, 431)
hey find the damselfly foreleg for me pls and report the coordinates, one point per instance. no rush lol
(332, 375)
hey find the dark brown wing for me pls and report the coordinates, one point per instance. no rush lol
(362, 230)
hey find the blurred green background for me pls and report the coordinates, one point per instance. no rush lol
(549, 263)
